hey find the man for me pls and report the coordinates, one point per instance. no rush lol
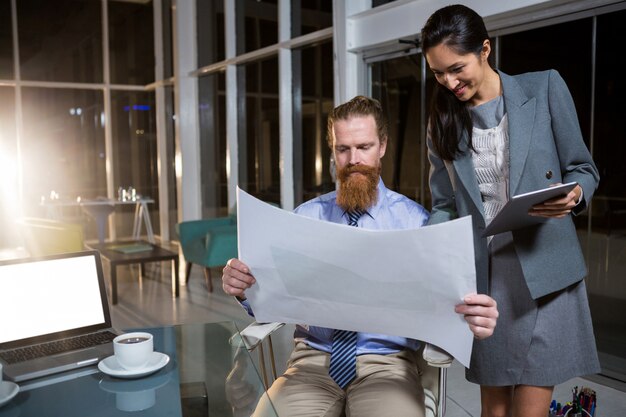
(386, 382)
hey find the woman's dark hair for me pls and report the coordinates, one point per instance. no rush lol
(462, 30)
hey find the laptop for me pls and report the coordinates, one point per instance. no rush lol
(54, 315)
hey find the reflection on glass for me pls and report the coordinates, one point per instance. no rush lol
(134, 156)
(313, 80)
(6, 41)
(310, 16)
(65, 45)
(213, 145)
(210, 26)
(132, 395)
(260, 24)
(607, 263)
(259, 152)
(131, 42)
(63, 144)
(397, 84)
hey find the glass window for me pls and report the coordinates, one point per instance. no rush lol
(313, 100)
(6, 40)
(131, 42)
(9, 192)
(607, 263)
(134, 156)
(60, 40)
(213, 145)
(531, 51)
(310, 16)
(397, 84)
(257, 24)
(63, 145)
(210, 26)
(259, 150)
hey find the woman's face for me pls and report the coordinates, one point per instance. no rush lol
(464, 75)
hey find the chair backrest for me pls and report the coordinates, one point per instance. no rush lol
(208, 242)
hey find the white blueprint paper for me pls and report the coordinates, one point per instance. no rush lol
(395, 282)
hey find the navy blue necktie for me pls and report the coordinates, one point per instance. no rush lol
(343, 356)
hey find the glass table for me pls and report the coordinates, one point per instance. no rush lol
(210, 373)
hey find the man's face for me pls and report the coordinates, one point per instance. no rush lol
(357, 151)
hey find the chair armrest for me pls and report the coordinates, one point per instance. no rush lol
(437, 357)
(256, 333)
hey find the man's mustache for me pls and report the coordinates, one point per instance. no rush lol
(361, 169)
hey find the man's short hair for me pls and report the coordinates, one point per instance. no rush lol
(358, 106)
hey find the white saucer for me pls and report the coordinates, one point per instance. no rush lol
(8, 390)
(111, 367)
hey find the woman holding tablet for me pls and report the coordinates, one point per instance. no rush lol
(493, 136)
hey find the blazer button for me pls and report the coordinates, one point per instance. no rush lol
(549, 174)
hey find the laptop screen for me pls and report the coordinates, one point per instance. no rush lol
(50, 295)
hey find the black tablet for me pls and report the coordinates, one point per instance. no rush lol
(514, 214)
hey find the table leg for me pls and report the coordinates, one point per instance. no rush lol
(146, 217)
(142, 270)
(176, 278)
(100, 213)
(187, 272)
(137, 222)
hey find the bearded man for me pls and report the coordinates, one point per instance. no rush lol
(381, 377)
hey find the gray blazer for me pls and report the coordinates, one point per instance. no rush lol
(546, 147)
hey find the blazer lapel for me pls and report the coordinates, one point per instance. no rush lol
(464, 167)
(520, 112)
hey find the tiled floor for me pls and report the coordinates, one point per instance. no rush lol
(149, 302)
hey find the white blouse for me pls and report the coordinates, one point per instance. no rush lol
(491, 164)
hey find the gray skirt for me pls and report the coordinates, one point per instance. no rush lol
(541, 342)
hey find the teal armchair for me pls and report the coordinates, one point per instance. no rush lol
(209, 243)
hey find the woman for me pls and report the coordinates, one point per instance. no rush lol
(492, 136)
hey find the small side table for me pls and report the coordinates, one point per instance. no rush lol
(112, 253)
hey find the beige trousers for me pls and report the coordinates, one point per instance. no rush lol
(385, 385)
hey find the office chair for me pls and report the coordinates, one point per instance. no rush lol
(432, 361)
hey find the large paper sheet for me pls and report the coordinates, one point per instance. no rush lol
(395, 282)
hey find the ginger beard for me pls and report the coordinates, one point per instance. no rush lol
(356, 191)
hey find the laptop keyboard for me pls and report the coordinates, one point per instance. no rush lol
(60, 346)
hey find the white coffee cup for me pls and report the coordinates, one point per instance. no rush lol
(133, 350)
